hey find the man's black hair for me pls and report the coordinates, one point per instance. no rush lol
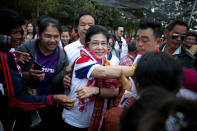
(159, 69)
(132, 46)
(153, 24)
(9, 20)
(83, 13)
(192, 34)
(177, 22)
(117, 26)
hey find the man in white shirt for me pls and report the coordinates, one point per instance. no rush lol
(121, 44)
(85, 21)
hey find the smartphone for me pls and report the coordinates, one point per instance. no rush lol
(37, 66)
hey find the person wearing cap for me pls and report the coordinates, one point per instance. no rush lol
(132, 53)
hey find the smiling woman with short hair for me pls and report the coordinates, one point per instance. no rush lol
(92, 82)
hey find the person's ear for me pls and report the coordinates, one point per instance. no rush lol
(159, 42)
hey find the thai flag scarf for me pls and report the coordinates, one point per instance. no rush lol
(100, 105)
(11, 51)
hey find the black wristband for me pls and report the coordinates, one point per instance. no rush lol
(99, 91)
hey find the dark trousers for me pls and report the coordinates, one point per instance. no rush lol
(17, 121)
(50, 119)
(67, 127)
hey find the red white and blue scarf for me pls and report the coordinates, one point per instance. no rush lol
(100, 103)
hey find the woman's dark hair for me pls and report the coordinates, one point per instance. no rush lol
(96, 29)
(34, 29)
(111, 35)
(173, 114)
(45, 22)
(64, 29)
(75, 29)
(41, 18)
(9, 20)
(177, 22)
(149, 101)
(159, 69)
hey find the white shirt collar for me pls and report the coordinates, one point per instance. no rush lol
(176, 52)
(79, 45)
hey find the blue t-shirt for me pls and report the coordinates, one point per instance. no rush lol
(49, 64)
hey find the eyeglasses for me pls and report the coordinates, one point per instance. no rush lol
(96, 43)
(178, 36)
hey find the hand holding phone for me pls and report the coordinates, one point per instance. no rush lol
(36, 73)
(37, 66)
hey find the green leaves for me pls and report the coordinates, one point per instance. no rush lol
(66, 11)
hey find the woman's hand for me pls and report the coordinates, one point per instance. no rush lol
(31, 91)
(35, 75)
(65, 101)
(22, 57)
(85, 92)
(68, 68)
(125, 82)
(67, 80)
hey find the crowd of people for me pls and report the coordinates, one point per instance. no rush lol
(90, 79)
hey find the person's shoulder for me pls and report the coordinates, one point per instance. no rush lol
(115, 60)
(72, 45)
(124, 57)
(123, 40)
(32, 41)
(162, 46)
(82, 60)
(115, 57)
(61, 51)
(194, 47)
(28, 45)
(188, 54)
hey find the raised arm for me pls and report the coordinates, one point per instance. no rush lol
(111, 72)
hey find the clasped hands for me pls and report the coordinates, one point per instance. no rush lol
(65, 101)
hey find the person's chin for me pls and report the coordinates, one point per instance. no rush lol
(142, 52)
